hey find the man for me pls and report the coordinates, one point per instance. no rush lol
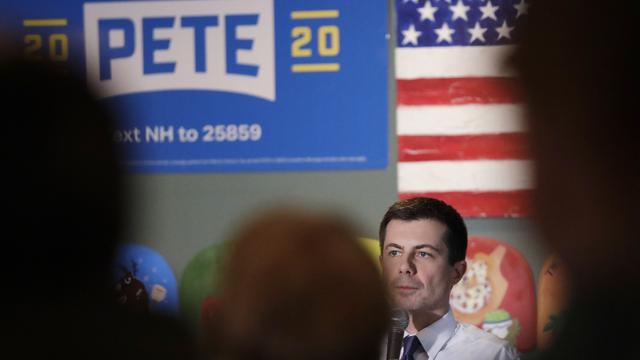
(423, 243)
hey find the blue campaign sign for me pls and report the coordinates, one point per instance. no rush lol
(228, 85)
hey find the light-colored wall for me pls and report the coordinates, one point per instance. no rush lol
(179, 215)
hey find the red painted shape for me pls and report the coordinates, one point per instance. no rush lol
(483, 204)
(465, 147)
(458, 91)
(207, 312)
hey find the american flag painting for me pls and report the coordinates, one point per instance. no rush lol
(461, 132)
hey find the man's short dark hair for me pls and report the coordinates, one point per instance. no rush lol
(422, 208)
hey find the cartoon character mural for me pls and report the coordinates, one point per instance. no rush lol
(497, 293)
(148, 284)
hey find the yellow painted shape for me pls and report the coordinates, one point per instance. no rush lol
(44, 22)
(315, 67)
(315, 14)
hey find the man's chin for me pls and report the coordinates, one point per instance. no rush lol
(406, 304)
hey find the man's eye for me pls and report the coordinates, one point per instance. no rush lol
(423, 254)
(394, 253)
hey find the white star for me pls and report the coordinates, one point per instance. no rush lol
(477, 33)
(504, 31)
(410, 36)
(427, 11)
(459, 11)
(444, 33)
(488, 11)
(522, 8)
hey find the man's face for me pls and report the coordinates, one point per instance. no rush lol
(415, 265)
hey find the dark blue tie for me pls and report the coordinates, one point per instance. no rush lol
(410, 344)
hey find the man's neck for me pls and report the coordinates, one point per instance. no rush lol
(420, 319)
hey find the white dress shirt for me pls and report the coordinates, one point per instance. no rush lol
(447, 339)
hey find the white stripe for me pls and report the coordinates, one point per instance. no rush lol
(460, 119)
(477, 175)
(452, 61)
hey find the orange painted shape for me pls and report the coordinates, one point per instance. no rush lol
(553, 297)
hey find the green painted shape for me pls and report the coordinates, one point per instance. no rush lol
(497, 316)
(553, 323)
(200, 279)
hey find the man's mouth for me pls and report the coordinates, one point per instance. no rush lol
(405, 288)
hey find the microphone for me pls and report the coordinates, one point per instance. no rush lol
(399, 322)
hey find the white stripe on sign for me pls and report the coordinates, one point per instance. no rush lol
(477, 175)
(460, 119)
(453, 61)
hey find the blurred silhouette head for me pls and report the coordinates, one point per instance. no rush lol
(61, 225)
(579, 75)
(62, 183)
(298, 285)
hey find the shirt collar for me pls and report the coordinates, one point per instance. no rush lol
(434, 336)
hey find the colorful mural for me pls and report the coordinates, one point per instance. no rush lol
(497, 292)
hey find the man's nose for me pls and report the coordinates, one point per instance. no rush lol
(407, 266)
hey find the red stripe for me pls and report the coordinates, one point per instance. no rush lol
(465, 147)
(456, 91)
(484, 204)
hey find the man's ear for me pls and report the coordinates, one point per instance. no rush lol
(459, 268)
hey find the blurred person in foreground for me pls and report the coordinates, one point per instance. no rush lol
(423, 243)
(579, 73)
(298, 286)
(62, 221)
